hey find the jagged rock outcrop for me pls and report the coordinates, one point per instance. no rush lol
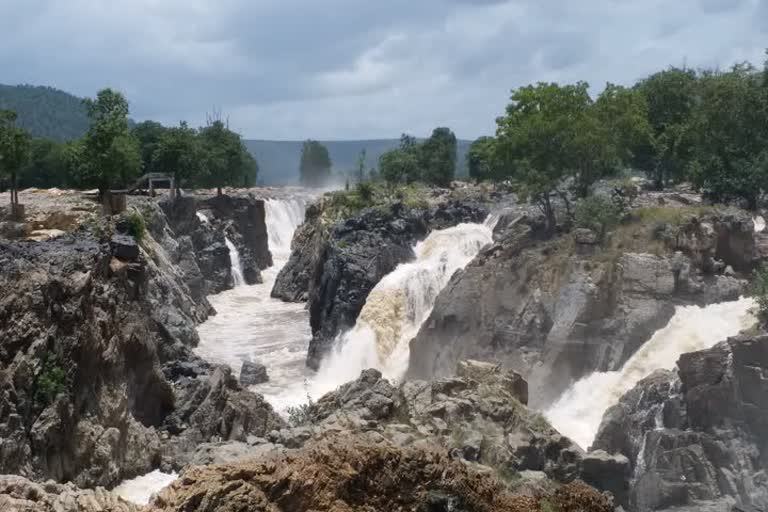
(479, 418)
(362, 473)
(198, 245)
(84, 336)
(335, 267)
(17, 494)
(558, 309)
(697, 438)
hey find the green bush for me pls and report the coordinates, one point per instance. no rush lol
(365, 191)
(760, 291)
(136, 225)
(51, 381)
(598, 213)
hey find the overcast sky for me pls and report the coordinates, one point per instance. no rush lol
(354, 69)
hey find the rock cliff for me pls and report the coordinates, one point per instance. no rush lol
(559, 308)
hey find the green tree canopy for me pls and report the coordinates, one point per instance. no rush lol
(671, 96)
(111, 153)
(179, 154)
(730, 124)
(14, 150)
(437, 157)
(481, 159)
(227, 160)
(315, 165)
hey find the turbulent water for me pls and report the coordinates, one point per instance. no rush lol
(252, 326)
(140, 489)
(579, 411)
(397, 306)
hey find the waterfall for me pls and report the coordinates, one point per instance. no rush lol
(579, 411)
(140, 489)
(282, 218)
(234, 257)
(397, 306)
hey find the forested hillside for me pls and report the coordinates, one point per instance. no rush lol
(46, 112)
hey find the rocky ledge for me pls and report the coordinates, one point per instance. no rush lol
(335, 264)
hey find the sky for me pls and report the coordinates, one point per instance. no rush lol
(359, 69)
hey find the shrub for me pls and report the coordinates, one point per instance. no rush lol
(51, 381)
(300, 414)
(136, 225)
(760, 291)
(599, 214)
(365, 191)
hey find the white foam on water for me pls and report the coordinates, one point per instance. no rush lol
(397, 306)
(139, 490)
(579, 411)
(237, 268)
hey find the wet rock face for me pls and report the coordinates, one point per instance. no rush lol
(199, 245)
(336, 267)
(83, 338)
(697, 438)
(558, 309)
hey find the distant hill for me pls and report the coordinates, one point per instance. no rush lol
(46, 112)
(279, 160)
(50, 113)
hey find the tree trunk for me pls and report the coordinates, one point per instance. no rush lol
(219, 192)
(14, 192)
(545, 204)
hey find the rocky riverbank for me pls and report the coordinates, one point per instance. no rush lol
(98, 382)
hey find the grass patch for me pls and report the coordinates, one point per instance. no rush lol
(673, 216)
(343, 204)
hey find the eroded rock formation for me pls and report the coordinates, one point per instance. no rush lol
(558, 309)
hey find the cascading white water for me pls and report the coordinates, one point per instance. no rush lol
(396, 308)
(237, 268)
(139, 490)
(250, 325)
(579, 411)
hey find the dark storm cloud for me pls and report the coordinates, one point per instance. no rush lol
(346, 68)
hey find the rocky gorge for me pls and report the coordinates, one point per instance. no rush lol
(102, 377)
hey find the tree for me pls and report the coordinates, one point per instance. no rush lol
(315, 166)
(438, 157)
(148, 135)
(46, 166)
(481, 159)
(226, 159)
(730, 127)
(14, 151)
(111, 153)
(671, 96)
(535, 139)
(398, 166)
(178, 152)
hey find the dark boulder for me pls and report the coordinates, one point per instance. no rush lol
(124, 247)
(252, 374)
